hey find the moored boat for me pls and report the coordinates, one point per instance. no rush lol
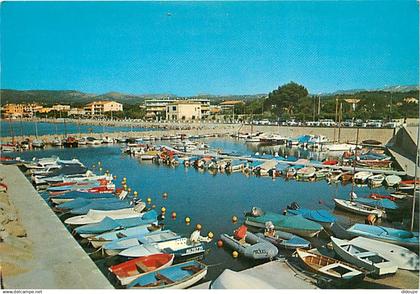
(179, 276)
(330, 267)
(295, 224)
(253, 247)
(128, 271)
(375, 263)
(392, 180)
(358, 208)
(386, 234)
(286, 240)
(400, 256)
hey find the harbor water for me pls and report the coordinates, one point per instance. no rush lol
(26, 128)
(210, 199)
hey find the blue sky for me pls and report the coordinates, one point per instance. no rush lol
(189, 48)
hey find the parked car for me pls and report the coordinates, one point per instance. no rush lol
(292, 122)
(327, 122)
(374, 123)
(391, 124)
(348, 123)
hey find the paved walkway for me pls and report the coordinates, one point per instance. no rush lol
(58, 260)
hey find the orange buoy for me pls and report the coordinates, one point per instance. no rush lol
(198, 227)
(220, 243)
(173, 215)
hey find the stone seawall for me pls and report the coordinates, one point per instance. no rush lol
(345, 134)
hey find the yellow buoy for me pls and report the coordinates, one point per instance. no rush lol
(235, 254)
(100, 168)
(163, 209)
(129, 189)
(125, 179)
(150, 200)
(93, 165)
(135, 193)
(99, 163)
(187, 220)
(115, 177)
(234, 219)
(165, 195)
(210, 235)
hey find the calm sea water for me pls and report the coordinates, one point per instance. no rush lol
(24, 128)
(210, 200)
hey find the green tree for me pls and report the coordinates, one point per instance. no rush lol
(286, 99)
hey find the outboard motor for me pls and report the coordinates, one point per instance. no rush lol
(293, 206)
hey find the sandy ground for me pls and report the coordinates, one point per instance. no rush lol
(15, 247)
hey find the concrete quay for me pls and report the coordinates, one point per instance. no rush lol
(193, 127)
(58, 261)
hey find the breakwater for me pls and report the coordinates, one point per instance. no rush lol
(197, 128)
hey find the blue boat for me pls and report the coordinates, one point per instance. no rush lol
(295, 224)
(116, 246)
(379, 203)
(322, 216)
(390, 235)
(291, 158)
(286, 240)
(80, 202)
(179, 276)
(105, 204)
(109, 224)
(99, 240)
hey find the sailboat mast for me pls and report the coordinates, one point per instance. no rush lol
(354, 161)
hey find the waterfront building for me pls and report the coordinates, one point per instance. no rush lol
(76, 111)
(156, 108)
(61, 107)
(229, 105)
(15, 110)
(101, 107)
(183, 110)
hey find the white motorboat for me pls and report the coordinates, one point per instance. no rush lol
(392, 180)
(376, 180)
(401, 256)
(358, 255)
(358, 208)
(361, 177)
(340, 147)
(95, 216)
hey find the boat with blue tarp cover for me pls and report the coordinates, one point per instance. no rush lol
(109, 224)
(106, 204)
(322, 216)
(380, 203)
(295, 224)
(386, 234)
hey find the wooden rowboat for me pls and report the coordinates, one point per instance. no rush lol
(330, 267)
(128, 271)
(179, 276)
